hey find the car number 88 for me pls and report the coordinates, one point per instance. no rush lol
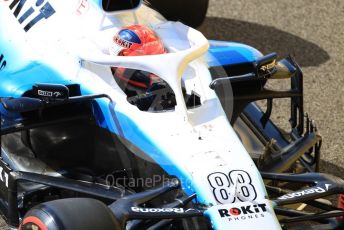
(236, 185)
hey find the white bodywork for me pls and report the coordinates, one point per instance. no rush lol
(199, 143)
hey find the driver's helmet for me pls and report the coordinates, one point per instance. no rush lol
(136, 40)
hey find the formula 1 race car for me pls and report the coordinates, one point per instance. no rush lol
(192, 151)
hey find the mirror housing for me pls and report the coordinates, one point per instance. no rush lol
(51, 92)
(266, 65)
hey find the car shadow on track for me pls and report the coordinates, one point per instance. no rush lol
(267, 39)
(327, 167)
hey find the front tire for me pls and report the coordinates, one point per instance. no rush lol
(69, 214)
(190, 12)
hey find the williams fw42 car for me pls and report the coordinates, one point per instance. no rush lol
(189, 148)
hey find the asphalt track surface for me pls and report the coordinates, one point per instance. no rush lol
(313, 32)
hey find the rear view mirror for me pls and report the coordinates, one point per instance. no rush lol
(284, 69)
(110, 6)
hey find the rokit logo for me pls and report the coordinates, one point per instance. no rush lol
(244, 212)
(2, 62)
(40, 10)
(155, 210)
(304, 192)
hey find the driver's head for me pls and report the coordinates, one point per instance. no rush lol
(135, 40)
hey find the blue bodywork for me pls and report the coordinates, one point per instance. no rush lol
(231, 53)
(15, 82)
